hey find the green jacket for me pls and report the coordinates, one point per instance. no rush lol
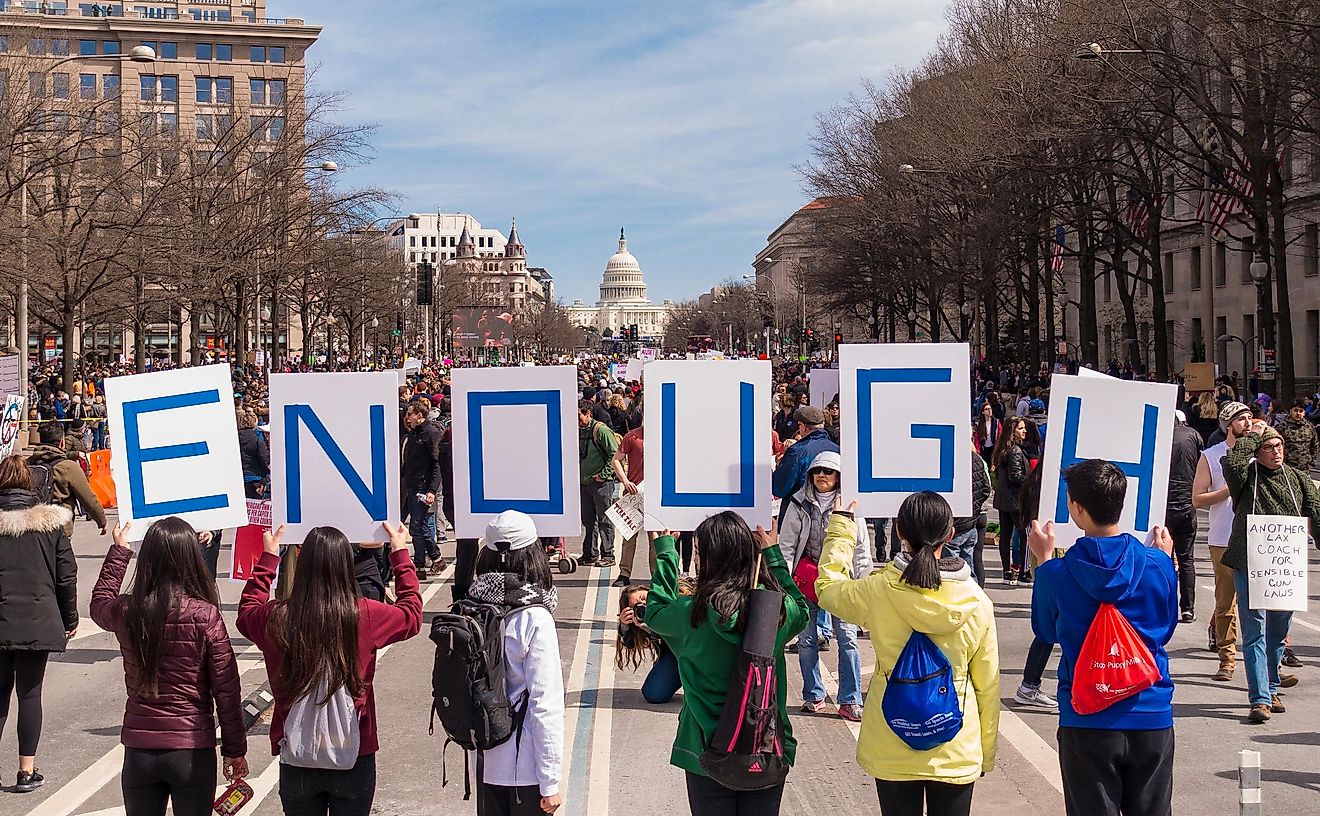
(596, 447)
(1279, 493)
(706, 654)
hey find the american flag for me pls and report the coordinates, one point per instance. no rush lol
(1057, 247)
(1137, 215)
(1222, 199)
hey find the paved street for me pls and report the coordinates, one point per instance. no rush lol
(617, 746)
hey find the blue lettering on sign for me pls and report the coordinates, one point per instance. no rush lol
(375, 500)
(137, 456)
(481, 504)
(745, 496)
(1143, 471)
(867, 481)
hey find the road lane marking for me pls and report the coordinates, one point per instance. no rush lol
(584, 795)
(1033, 748)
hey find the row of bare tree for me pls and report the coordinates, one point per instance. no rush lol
(948, 182)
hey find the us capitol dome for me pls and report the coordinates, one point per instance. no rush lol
(623, 299)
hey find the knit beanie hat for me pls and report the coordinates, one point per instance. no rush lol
(1230, 412)
(1269, 433)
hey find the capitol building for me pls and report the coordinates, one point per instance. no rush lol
(623, 300)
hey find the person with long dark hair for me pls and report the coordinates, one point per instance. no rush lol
(637, 644)
(321, 640)
(1010, 466)
(929, 590)
(179, 668)
(704, 630)
(38, 604)
(520, 777)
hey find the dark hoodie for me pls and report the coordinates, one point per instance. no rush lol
(1137, 579)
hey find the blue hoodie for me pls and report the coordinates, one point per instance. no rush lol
(1137, 579)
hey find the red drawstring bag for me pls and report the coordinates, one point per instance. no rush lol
(1114, 663)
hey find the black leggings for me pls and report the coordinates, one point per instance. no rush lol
(940, 798)
(25, 670)
(685, 549)
(184, 777)
(706, 797)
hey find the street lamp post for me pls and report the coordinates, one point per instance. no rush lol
(772, 296)
(1260, 275)
(140, 53)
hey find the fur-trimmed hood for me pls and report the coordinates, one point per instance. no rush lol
(40, 518)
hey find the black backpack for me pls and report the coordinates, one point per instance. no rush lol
(43, 481)
(468, 690)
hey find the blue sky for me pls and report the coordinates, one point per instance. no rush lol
(681, 121)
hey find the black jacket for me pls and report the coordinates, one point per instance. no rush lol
(447, 472)
(254, 453)
(38, 574)
(420, 460)
(1009, 479)
(1186, 454)
(981, 490)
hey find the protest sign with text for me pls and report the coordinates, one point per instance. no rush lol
(176, 451)
(708, 441)
(515, 437)
(1277, 549)
(248, 540)
(11, 413)
(905, 425)
(1127, 423)
(629, 513)
(334, 453)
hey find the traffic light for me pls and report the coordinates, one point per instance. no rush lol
(838, 338)
(424, 284)
(398, 325)
(636, 335)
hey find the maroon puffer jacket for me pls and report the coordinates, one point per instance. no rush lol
(197, 667)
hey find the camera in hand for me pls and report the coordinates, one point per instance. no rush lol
(639, 612)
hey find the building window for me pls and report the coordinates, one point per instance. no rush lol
(276, 53)
(160, 88)
(1311, 250)
(224, 53)
(110, 47)
(110, 86)
(204, 89)
(1195, 272)
(87, 86)
(257, 91)
(258, 53)
(60, 86)
(36, 46)
(59, 48)
(276, 88)
(87, 48)
(204, 51)
(36, 84)
(169, 50)
(1221, 264)
(412, 240)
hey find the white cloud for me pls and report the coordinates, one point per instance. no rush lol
(693, 113)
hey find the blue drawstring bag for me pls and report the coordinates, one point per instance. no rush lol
(920, 703)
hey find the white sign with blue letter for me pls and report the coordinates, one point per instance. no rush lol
(707, 442)
(905, 425)
(176, 451)
(334, 453)
(516, 448)
(1129, 424)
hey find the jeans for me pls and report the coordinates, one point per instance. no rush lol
(706, 797)
(662, 683)
(939, 798)
(850, 664)
(1038, 657)
(1182, 527)
(320, 792)
(965, 545)
(1108, 772)
(421, 526)
(185, 778)
(597, 529)
(1263, 633)
(978, 555)
(1010, 541)
(823, 625)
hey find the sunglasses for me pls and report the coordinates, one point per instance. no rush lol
(819, 471)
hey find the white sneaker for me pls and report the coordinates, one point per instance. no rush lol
(1035, 697)
(1012, 580)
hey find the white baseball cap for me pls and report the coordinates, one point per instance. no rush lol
(513, 528)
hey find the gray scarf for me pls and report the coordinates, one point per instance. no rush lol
(510, 591)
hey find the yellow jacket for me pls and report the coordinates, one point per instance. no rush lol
(958, 617)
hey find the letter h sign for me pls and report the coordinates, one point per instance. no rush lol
(1142, 470)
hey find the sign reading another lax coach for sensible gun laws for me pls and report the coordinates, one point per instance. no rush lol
(1277, 549)
(176, 451)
